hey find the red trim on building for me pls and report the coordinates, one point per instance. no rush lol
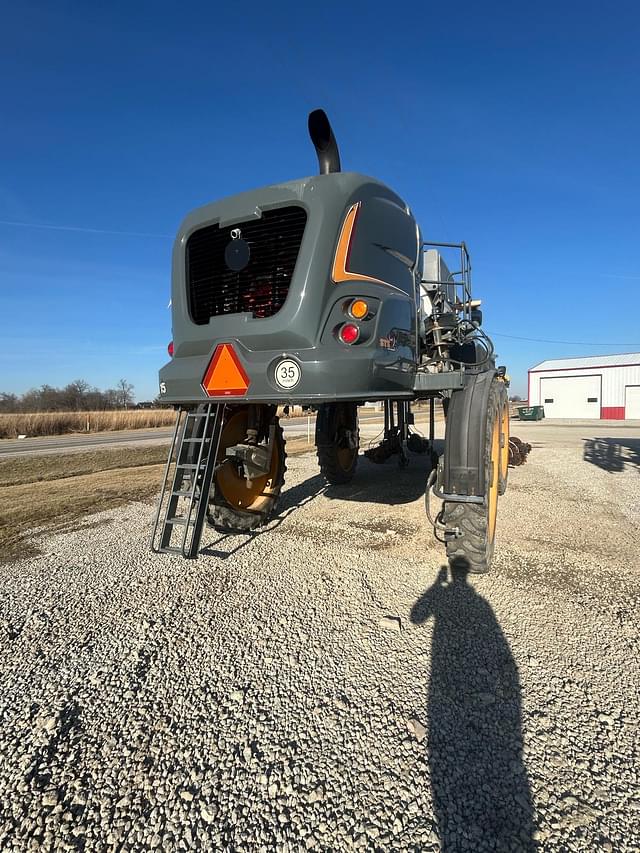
(612, 413)
(528, 385)
(584, 367)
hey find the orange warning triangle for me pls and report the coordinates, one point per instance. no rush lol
(225, 376)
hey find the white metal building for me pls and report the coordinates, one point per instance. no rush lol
(599, 386)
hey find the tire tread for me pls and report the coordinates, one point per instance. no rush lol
(472, 547)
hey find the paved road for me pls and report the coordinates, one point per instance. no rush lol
(65, 443)
(79, 441)
(370, 425)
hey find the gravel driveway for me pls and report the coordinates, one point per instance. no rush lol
(327, 685)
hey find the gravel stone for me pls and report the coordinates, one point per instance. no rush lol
(391, 623)
(417, 729)
(49, 724)
(207, 814)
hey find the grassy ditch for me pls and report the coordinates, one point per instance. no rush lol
(51, 493)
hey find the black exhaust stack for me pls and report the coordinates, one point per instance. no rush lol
(324, 142)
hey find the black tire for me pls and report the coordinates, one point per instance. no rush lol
(473, 550)
(227, 518)
(337, 459)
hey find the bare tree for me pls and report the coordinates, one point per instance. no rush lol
(77, 396)
(125, 393)
(9, 402)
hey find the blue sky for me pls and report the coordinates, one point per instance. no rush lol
(512, 126)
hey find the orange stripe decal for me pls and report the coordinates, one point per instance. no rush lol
(340, 272)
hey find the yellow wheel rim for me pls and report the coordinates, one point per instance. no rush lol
(504, 442)
(345, 457)
(494, 479)
(229, 480)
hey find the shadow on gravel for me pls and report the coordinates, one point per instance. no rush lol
(612, 454)
(386, 483)
(291, 500)
(480, 787)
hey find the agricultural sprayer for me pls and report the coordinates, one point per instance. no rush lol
(321, 292)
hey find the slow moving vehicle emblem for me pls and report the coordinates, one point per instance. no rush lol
(225, 376)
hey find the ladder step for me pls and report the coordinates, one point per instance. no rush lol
(191, 480)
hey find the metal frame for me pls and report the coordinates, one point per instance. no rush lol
(202, 471)
(464, 273)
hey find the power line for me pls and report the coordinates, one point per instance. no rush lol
(566, 343)
(82, 230)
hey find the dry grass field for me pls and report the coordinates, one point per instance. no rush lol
(59, 423)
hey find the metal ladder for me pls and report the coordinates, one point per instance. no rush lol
(195, 444)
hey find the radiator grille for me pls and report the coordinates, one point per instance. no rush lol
(262, 286)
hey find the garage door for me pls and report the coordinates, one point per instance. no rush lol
(571, 396)
(632, 402)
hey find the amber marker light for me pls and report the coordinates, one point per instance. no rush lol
(358, 309)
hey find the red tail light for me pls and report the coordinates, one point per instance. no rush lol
(170, 349)
(349, 333)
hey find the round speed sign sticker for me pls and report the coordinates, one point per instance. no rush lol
(287, 373)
